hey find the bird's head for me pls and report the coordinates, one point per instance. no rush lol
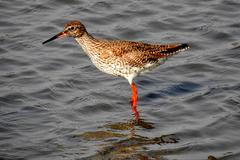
(71, 29)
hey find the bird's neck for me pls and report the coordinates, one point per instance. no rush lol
(89, 44)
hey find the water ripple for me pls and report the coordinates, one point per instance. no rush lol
(54, 102)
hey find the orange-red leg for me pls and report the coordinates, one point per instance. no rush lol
(134, 101)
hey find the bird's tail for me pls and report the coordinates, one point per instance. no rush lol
(172, 49)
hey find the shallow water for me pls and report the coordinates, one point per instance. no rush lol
(54, 104)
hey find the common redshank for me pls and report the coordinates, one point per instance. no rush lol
(120, 58)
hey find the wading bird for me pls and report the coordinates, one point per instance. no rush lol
(118, 57)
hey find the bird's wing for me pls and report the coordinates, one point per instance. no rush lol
(139, 54)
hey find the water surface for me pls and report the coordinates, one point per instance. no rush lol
(54, 104)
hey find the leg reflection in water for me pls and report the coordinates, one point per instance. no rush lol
(126, 146)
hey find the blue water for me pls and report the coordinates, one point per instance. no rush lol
(54, 104)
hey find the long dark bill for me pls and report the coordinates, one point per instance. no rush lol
(59, 35)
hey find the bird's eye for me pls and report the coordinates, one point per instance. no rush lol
(72, 28)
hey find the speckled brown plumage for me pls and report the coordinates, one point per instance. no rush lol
(126, 58)
(117, 57)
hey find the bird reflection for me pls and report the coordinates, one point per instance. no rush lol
(127, 146)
